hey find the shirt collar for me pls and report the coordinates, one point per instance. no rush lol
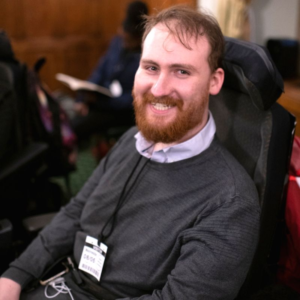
(192, 147)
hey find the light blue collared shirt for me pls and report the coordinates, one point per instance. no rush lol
(192, 147)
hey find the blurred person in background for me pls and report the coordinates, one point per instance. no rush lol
(96, 112)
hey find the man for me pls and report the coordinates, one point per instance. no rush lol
(97, 112)
(178, 215)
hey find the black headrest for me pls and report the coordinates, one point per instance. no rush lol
(250, 69)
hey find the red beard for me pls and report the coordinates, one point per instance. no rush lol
(156, 130)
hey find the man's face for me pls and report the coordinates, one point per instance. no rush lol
(172, 87)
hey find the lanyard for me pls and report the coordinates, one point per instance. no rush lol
(121, 201)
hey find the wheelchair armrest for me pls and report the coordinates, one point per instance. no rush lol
(5, 234)
(25, 159)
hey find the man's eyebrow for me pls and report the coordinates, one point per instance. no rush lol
(149, 61)
(184, 66)
(173, 66)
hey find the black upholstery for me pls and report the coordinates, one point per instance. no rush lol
(20, 158)
(259, 133)
(9, 136)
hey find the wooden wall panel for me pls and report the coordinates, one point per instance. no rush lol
(12, 17)
(70, 34)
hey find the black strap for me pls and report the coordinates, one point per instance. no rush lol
(111, 221)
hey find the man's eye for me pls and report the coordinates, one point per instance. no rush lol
(183, 72)
(152, 68)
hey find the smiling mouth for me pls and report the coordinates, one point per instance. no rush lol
(160, 106)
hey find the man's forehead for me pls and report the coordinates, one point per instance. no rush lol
(160, 33)
(188, 40)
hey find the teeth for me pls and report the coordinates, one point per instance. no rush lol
(160, 106)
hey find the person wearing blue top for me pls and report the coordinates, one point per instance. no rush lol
(97, 112)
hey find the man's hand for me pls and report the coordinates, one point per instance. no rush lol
(81, 108)
(9, 289)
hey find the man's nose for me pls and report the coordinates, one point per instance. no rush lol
(161, 86)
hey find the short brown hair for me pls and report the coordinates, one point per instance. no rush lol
(185, 22)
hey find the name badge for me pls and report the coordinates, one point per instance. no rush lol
(93, 257)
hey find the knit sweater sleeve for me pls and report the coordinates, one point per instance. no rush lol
(215, 254)
(56, 240)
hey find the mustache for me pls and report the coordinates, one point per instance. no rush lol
(148, 98)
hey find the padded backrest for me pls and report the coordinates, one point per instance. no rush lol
(243, 110)
(9, 135)
(259, 133)
(13, 102)
(245, 131)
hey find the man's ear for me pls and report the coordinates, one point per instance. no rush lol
(216, 81)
